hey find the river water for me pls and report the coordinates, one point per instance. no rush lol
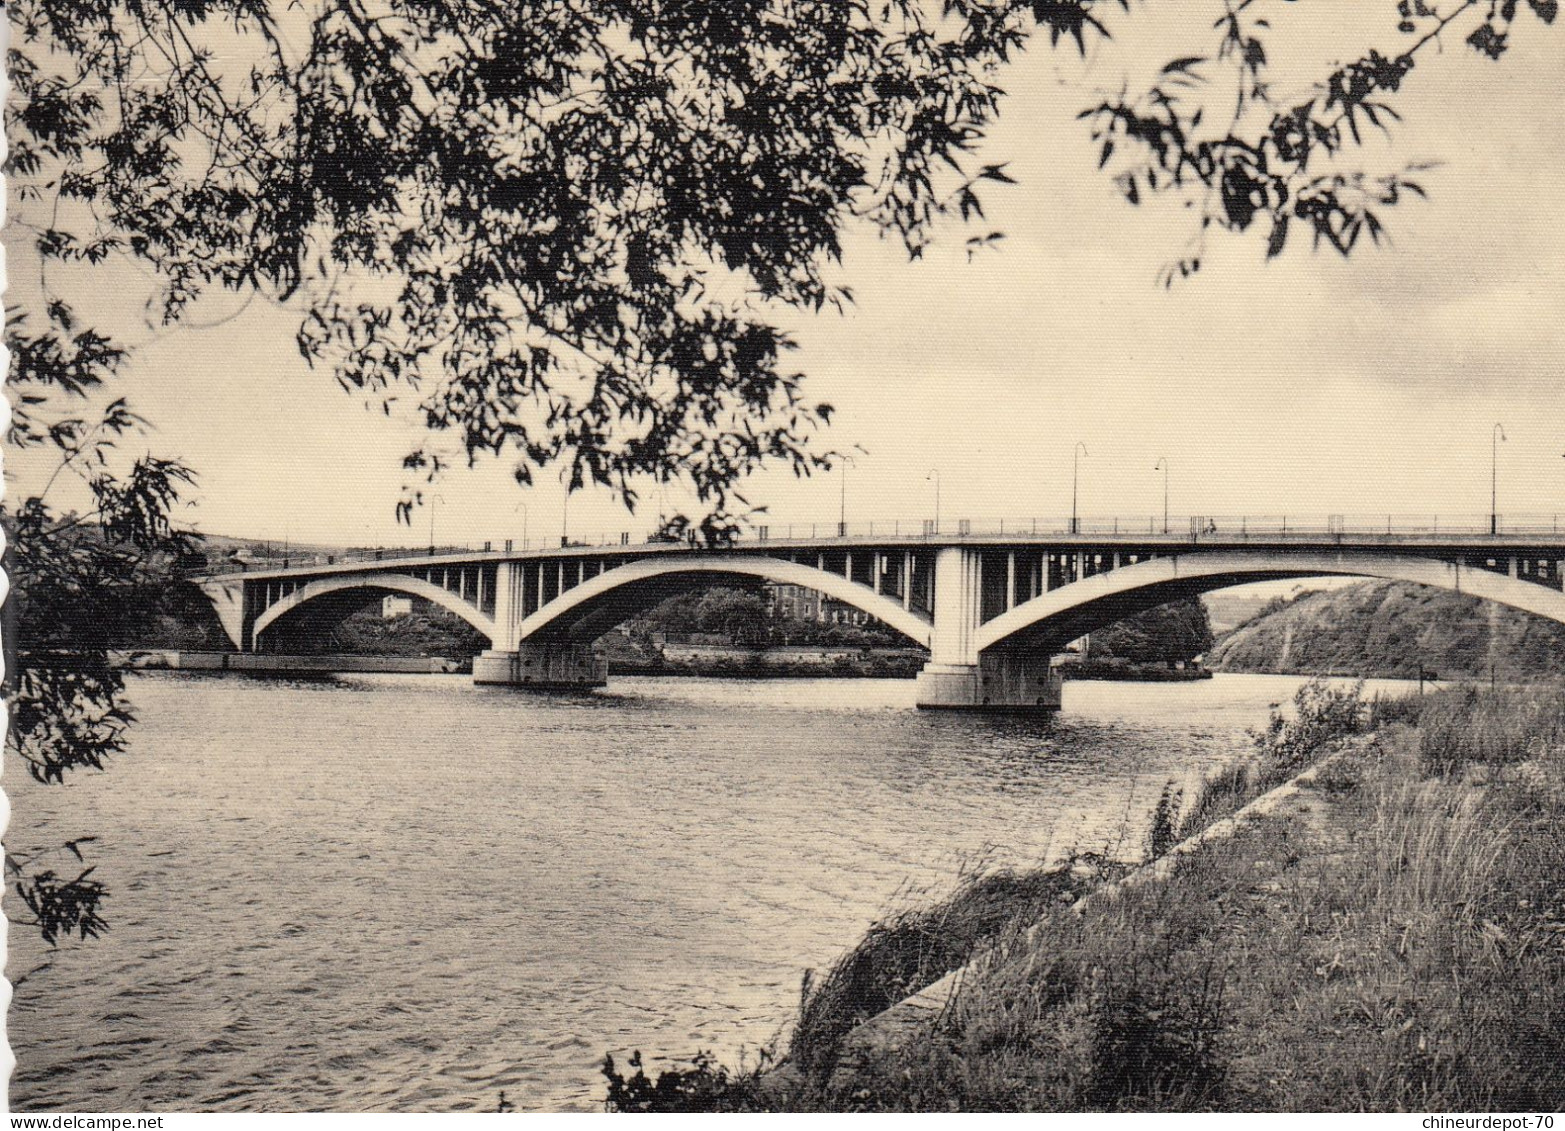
(384, 892)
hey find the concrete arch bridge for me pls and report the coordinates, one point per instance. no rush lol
(992, 609)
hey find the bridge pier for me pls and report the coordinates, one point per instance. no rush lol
(544, 666)
(961, 677)
(999, 681)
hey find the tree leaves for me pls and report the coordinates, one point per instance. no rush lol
(566, 198)
(61, 906)
(1272, 160)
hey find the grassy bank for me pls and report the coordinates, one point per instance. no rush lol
(1390, 937)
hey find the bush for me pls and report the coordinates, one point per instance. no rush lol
(1388, 710)
(705, 1086)
(1221, 794)
(1322, 714)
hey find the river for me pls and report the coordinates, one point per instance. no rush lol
(379, 892)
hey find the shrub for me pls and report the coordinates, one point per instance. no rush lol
(705, 1086)
(1322, 714)
(1468, 726)
(1386, 710)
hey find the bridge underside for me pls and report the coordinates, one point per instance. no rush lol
(590, 619)
(310, 627)
(1050, 636)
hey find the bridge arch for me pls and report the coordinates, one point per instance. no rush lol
(1050, 621)
(368, 585)
(590, 609)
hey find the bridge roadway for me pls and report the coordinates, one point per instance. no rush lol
(991, 607)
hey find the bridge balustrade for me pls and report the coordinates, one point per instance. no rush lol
(1198, 529)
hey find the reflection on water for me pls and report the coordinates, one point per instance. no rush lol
(407, 892)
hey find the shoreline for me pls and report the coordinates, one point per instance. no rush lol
(1431, 828)
(760, 664)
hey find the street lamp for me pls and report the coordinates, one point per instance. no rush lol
(1162, 462)
(522, 506)
(434, 498)
(1076, 453)
(842, 506)
(934, 473)
(1494, 478)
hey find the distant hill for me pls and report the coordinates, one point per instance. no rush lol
(1387, 628)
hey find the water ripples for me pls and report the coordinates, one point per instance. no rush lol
(409, 893)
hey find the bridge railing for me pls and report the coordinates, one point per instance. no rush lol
(1181, 528)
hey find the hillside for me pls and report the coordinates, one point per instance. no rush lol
(1384, 628)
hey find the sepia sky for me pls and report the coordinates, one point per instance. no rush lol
(1305, 386)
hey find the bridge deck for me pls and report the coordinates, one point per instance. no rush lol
(1538, 536)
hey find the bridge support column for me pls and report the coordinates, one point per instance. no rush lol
(999, 681)
(544, 666)
(958, 676)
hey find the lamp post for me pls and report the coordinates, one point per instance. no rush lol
(1494, 478)
(1162, 462)
(523, 508)
(433, 499)
(1076, 453)
(934, 473)
(842, 502)
(565, 518)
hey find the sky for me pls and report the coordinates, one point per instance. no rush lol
(1304, 386)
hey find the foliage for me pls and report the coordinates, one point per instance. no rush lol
(1394, 628)
(1221, 793)
(1391, 947)
(910, 950)
(1171, 633)
(427, 631)
(75, 579)
(706, 1086)
(1271, 165)
(1163, 832)
(61, 906)
(562, 223)
(1463, 727)
(565, 227)
(1322, 714)
(1156, 1040)
(742, 616)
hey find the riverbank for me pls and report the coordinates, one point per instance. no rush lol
(1390, 935)
(268, 663)
(1122, 671)
(734, 662)
(710, 661)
